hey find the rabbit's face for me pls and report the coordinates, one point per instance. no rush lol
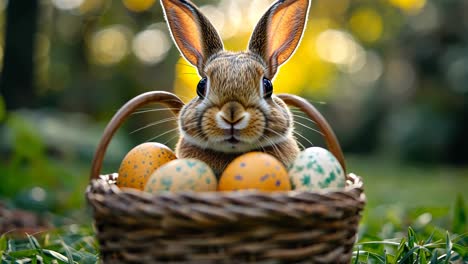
(235, 112)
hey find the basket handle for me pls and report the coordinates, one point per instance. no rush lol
(330, 137)
(176, 104)
(117, 120)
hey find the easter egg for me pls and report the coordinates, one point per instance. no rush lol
(141, 162)
(316, 168)
(255, 170)
(182, 175)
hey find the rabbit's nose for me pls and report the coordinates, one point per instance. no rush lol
(232, 116)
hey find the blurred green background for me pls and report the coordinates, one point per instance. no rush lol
(391, 77)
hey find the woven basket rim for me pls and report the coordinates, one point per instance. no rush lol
(353, 183)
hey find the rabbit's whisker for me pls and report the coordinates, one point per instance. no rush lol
(171, 139)
(299, 142)
(147, 110)
(313, 129)
(273, 146)
(303, 117)
(274, 132)
(165, 133)
(155, 123)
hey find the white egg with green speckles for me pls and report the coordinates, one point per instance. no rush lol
(182, 175)
(316, 168)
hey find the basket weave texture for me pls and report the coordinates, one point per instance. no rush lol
(222, 227)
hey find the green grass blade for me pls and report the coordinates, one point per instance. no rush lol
(374, 256)
(408, 256)
(434, 257)
(26, 253)
(56, 255)
(401, 249)
(3, 244)
(448, 248)
(11, 245)
(422, 256)
(68, 252)
(461, 250)
(429, 239)
(356, 257)
(411, 237)
(33, 242)
(385, 242)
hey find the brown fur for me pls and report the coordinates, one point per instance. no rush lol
(286, 152)
(235, 116)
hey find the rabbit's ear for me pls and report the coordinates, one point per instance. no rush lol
(194, 35)
(278, 32)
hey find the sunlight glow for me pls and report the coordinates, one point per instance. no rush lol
(38, 194)
(233, 18)
(215, 15)
(409, 6)
(89, 6)
(370, 72)
(366, 24)
(110, 45)
(138, 5)
(256, 9)
(151, 46)
(67, 4)
(339, 47)
(186, 80)
(3, 4)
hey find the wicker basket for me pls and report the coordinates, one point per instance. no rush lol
(228, 227)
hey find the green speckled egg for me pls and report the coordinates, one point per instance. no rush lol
(316, 168)
(182, 175)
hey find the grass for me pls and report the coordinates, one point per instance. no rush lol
(70, 244)
(414, 215)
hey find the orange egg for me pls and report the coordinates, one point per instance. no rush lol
(141, 162)
(255, 170)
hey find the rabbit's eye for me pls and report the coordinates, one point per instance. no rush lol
(201, 88)
(267, 88)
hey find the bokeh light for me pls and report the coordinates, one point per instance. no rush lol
(233, 18)
(67, 4)
(110, 45)
(89, 6)
(3, 4)
(215, 16)
(410, 6)
(370, 71)
(38, 194)
(366, 24)
(138, 5)
(400, 77)
(254, 15)
(151, 45)
(458, 75)
(426, 20)
(337, 47)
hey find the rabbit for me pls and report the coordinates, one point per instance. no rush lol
(235, 110)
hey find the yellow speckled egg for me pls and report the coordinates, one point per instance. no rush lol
(182, 175)
(316, 168)
(255, 170)
(141, 162)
